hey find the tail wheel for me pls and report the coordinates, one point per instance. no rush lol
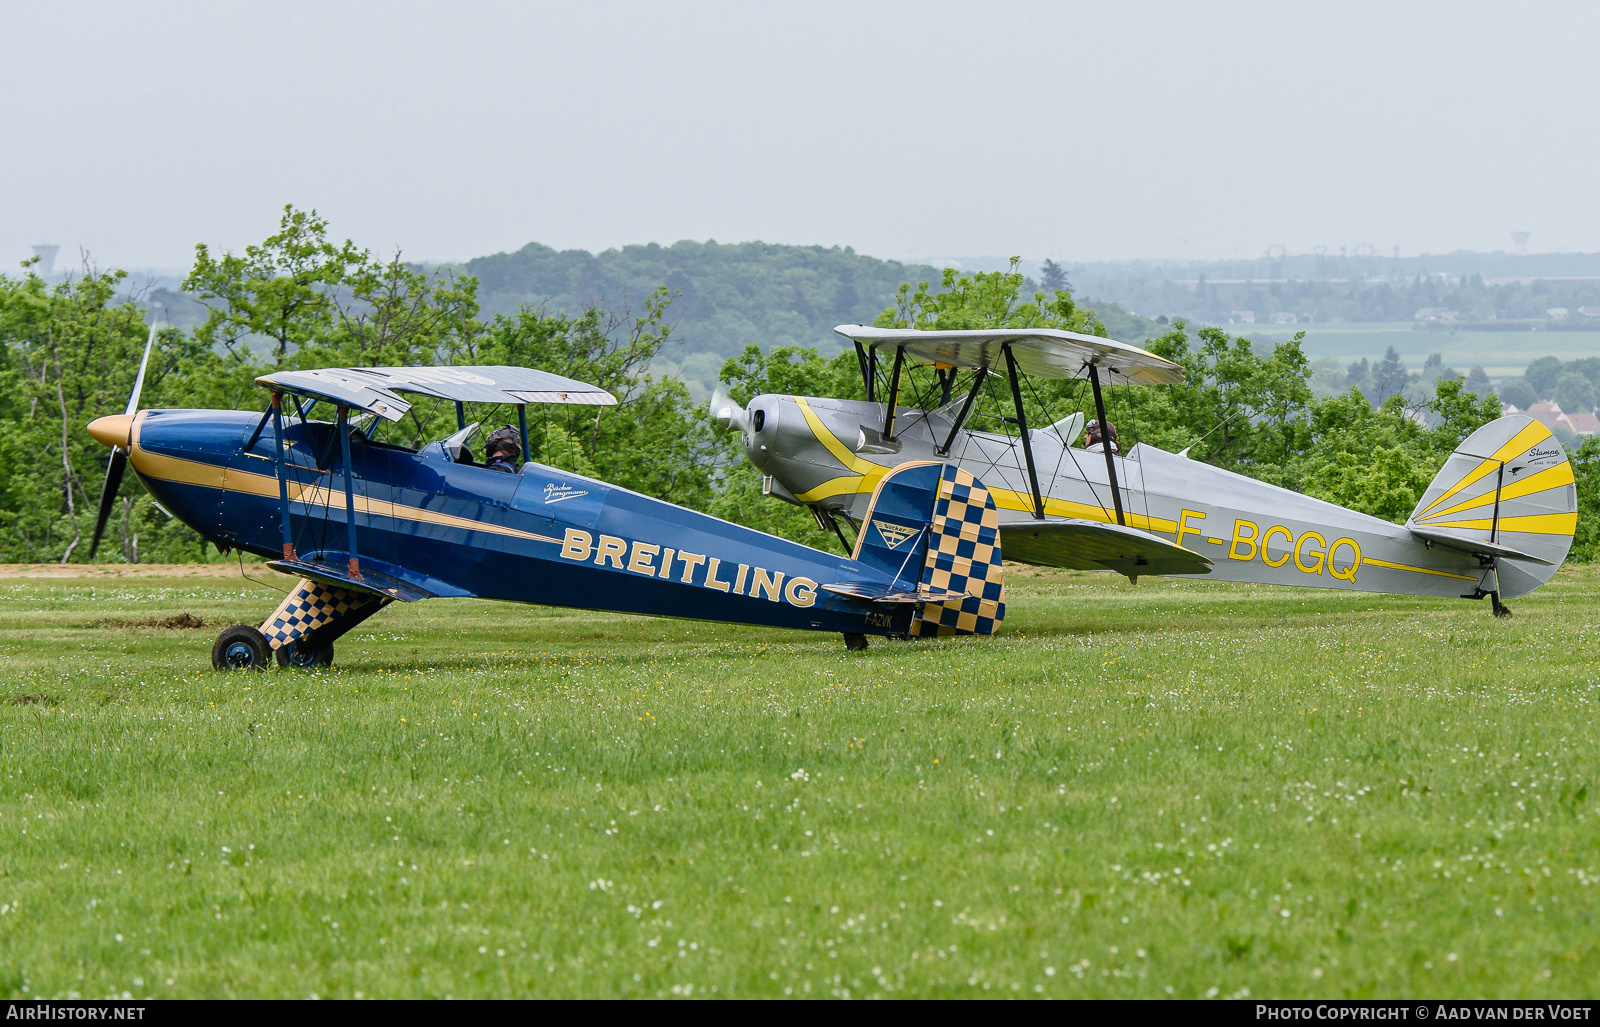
(303, 657)
(240, 647)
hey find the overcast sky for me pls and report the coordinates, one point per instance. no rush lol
(1081, 131)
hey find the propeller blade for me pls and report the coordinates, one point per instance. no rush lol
(726, 412)
(108, 495)
(119, 456)
(138, 382)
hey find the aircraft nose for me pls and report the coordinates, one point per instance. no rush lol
(112, 431)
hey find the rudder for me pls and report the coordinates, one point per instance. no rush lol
(963, 556)
(933, 526)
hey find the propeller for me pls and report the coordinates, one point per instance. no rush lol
(728, 413)
(119, 453)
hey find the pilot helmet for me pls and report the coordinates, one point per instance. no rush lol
(1095, 430)
(504, 438)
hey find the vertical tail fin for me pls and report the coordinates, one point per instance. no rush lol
(1507, 493)
(934, 526)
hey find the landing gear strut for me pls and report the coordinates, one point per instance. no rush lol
(1500, 609)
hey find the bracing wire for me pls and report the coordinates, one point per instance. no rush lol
(258, 581)
(1067, 449)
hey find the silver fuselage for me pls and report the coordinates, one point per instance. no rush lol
(831, 453)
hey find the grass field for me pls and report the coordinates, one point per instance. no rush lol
(1501, 354)
(1182, 788)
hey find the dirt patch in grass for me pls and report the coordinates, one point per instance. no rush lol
(178, 622)
(32, 700)
(223, 569)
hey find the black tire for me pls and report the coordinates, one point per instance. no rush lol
(855, 643)
(240, 647)
(302, 657)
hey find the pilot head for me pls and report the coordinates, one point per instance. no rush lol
(504, 444)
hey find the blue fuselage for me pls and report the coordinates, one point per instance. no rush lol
(543, 536)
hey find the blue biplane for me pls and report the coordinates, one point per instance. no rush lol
(363, 522)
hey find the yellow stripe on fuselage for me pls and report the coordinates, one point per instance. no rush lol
(1417, 570)
(867, 475)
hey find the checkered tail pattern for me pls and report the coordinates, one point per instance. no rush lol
(311, 606)
(963, 556)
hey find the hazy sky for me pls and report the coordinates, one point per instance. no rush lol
(1076, 130)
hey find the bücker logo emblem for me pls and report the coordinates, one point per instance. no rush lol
(554, 493)
(894, 535)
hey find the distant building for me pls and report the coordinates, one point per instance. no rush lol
(1283, 317)
(1551, 415)
(47, 258)
(1582, 424)
(1438, 314)
(1556, 312)
(1242, 317)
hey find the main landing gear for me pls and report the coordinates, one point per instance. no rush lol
(855, 643)
(301, 631)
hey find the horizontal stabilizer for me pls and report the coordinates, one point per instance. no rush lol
(876, 593)
(338, 575)
(1477, 547)
(1091, 546)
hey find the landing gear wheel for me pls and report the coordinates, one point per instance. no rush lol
(240, 647)
(855, 643)
(1500, 609)
(299, 655)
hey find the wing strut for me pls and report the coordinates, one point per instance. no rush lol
(866, 373)
(966, 408)
(343, 428)
(894, 391)
(283, 479)
(1105, 444)
(522, 423)
(1027, 443)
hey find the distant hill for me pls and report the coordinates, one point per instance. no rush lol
(731, 295)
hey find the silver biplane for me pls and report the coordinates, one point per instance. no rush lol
(1496, 522)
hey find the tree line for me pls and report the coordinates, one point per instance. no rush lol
(69, 352)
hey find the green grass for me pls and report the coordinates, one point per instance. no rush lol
(1178, 789)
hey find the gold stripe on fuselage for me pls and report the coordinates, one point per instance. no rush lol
(229, 479)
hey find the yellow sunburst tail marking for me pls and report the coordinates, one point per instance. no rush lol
(1531, 435)
(963, 556)
(1508, 487)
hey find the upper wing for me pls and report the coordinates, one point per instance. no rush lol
(377, 389)
(1041, 352)
(1090, 546)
